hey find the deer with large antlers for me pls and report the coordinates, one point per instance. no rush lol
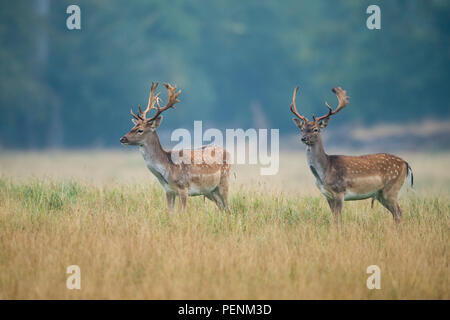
(342, 178)
(193, 172)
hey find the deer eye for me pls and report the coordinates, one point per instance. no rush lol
(140, 131)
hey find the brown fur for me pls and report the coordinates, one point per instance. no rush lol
(182, 179)
(200, 173)
(342, 178)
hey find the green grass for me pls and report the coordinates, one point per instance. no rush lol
(275, 245)
(104, 211)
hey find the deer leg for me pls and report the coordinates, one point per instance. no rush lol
(214, 199)
(183, 200)
(399, 211)
(393, 208)
(392, 205)
(218, 199)
(208, 196)
(389, 199)
(331, 204)
(170, 197)
(223, 187)
(337, 208)
(223, 193)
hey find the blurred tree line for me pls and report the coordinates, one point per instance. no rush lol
(236, 61)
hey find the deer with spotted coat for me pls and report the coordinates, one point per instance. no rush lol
(342, 178)
(193, 172)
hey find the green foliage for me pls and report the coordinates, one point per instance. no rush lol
(74, 88)
(41, 197)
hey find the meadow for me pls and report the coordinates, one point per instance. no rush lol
(103, 211)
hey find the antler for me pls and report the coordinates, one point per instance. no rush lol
(151, 100)
(343, 101)
(293, 108)
(154, 98)
(172, 98)
(151, 103)
(137, 117)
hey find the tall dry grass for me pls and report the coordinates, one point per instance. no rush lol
(104, 212)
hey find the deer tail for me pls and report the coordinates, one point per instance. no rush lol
(410, 174)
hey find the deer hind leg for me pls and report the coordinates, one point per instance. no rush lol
(390, 194)
(388, 198)
(210, 197)
(393, 207)
(221, 192)
(217, 198)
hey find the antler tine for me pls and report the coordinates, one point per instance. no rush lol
(137, 117)
(172, 99)
(293, 107)
(151, 100)
(343, 101)
(158, 99)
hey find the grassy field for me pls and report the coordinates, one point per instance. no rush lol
(104, 211)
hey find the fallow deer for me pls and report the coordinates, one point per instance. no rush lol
(204, 171)
(341, 178)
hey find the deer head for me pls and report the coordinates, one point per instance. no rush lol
(144, 126)
(311, 129)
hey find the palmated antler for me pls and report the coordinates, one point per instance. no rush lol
(343, 101)
(172, 99)
(154, 99)
(293, 108)
(151, 102)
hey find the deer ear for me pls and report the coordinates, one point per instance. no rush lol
(155, 123)
(299, 123)
(323, 123)
(134, 121)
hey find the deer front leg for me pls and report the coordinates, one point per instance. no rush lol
(170, 197)
(331, 204)
(183, 193)
(336, 207)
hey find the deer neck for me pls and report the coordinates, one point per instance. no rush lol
(317, 160)
(156, 158)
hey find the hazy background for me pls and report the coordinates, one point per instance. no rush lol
(237, 63)
(70, 194)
